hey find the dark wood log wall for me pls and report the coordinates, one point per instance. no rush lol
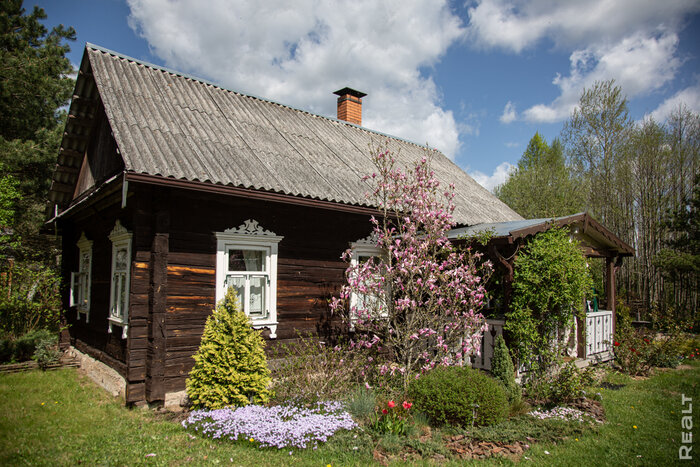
(309, 272)
(174, 271)
(91, 337)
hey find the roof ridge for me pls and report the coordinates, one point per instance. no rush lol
(252, 96)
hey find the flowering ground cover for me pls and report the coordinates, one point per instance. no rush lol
(61, 418)
(277, 426)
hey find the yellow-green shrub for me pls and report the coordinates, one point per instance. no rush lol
(230, 365)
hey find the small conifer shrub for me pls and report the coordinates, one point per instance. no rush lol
(230, 366)
(502, 369)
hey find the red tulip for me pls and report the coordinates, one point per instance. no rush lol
(391, 404)
(385, 411)
(407, 405)
(617, 344)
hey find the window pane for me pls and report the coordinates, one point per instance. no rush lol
(246, 260)
(364, 258)
(257, 307)
(238, 283)
(120, 263)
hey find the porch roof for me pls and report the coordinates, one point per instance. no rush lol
(596, 239)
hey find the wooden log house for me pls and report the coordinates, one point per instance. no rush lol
(168, 189)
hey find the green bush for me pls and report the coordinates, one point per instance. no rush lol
(32, 300)
(459, 396)
(47, 351)
(550, 282)
(7, 349)
(230, 365)
(502, 369)
(559, 385)
(637, 351)
(26, 345)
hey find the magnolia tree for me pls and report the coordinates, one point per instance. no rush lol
(420, 298)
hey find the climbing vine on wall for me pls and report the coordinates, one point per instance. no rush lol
(551, 279)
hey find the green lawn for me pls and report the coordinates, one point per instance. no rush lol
(61, 418)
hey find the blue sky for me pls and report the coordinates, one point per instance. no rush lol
(475, 79)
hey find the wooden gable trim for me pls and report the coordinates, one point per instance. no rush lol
(249, 193)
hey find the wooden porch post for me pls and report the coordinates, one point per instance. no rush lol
(610, 287)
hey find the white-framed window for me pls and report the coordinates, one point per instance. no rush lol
(80, 280)
(246, 259)
(370, 305)
(121, 275)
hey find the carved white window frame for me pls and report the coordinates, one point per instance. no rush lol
(250, 236)
(81, 280)
(119, 309)
(365, 247)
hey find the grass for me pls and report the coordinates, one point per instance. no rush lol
(79, 423)
(61, 418)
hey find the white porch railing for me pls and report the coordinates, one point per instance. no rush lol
(599, 335)
(488, 342)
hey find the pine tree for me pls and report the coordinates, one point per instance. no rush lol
(230, 365)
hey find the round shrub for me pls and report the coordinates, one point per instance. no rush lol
(230, 366)
(454, 395)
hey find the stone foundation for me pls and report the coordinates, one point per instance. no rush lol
(100, 373)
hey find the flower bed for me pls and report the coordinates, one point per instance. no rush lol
(278, 426)
(561, 413)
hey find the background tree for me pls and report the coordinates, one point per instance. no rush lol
(596, 136)
(541, 185)
(679, 261)
(35, 82)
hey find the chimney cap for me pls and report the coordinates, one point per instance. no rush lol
(346, 90)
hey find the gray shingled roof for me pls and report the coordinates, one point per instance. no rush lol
(180, 127)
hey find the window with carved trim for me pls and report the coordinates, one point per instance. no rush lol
(121, 275)
(246, 259)
(80, 280)
(368, 305)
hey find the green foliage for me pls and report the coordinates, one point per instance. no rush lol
(29, 299)
(7, 349)
(36, 82)
(362, 403)
(230, 365)
(564, 385)
(307, 371)
(550, 283)
(35, 71)
(637, 351)
(541, 185)
(502, 369)
(26, 345)
(459, 396)
(46, 352)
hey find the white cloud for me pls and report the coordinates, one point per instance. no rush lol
(633, 41)
(690, 97)
(298, 53)
(639, 64)
(511, 144)
(509, 115)
(515, 25)
(498, 177)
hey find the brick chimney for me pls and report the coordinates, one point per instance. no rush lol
(350, 105)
